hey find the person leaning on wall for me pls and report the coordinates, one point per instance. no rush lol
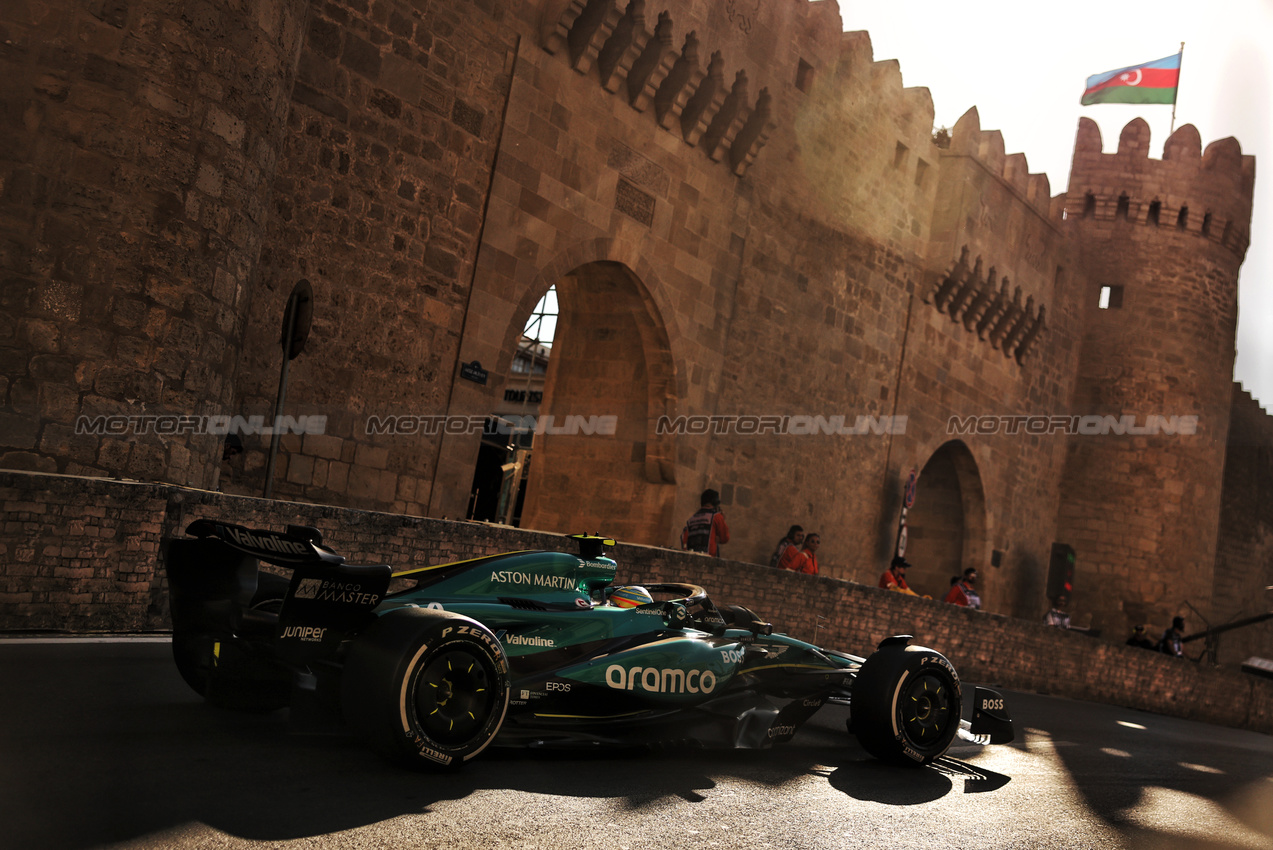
(963, 591)
(802, 559)
(706, 530)
(795, 536)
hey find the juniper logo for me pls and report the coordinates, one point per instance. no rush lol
(308, 634)
(1090, 425)
(798, 425)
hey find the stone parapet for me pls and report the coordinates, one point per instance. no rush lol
(84, 555)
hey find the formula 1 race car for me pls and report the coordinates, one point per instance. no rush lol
(533, 649)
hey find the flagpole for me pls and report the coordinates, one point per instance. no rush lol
(1181, 54)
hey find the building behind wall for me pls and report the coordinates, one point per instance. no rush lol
(773, 281)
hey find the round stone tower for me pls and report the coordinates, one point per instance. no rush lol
(140, 145)
(1160, 243)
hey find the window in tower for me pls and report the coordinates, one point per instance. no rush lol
(1111, 298)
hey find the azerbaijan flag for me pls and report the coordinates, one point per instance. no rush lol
(1150, 82)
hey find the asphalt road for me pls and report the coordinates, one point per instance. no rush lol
(102, 744)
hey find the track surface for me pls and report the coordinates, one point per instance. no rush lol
(102, 744)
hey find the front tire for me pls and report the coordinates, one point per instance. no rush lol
(905, 705)
(428, 689)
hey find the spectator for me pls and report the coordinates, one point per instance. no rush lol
(706, 531)
(1171, 643)
(803, 559)
(1140, 639)
(894, 577)
(1058, 616)
(795, 536)
(963, 591)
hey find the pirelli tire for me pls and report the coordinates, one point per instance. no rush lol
(906, 704)
(428, 689)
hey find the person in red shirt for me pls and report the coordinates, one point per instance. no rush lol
(706, 530)
(894, 577)
(963, 592)
(803, 559)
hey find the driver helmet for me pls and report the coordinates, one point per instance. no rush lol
(630, 596)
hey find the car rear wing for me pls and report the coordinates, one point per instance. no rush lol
(213, 579)
(299, 545)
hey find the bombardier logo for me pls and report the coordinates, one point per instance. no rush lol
(665, 681)
(335, 591)
(269, 544)
(535, 579)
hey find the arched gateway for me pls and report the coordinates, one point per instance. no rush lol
(596, 462)
(947, 525)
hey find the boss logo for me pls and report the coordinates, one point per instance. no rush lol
(992, 705)
(731, 656)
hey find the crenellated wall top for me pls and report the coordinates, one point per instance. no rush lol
(987, 147)
(1204, 191)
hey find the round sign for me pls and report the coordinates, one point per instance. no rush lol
(908, 495)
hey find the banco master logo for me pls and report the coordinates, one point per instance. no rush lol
(334, 591)
(664, 681)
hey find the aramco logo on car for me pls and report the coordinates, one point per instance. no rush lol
(664, 681)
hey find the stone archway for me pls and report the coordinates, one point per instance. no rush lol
(946, 528)
(598, 464)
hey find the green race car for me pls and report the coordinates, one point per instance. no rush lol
(532, 649)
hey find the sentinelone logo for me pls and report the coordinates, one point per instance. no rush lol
(216, 425)
(1092, 425)
(796, 425)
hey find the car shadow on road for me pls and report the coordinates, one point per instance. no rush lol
(135, 756)
(181, 762)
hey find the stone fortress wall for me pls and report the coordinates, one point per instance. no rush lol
(744, 215)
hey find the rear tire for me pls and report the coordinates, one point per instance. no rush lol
(428, 689)
(906, 704)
